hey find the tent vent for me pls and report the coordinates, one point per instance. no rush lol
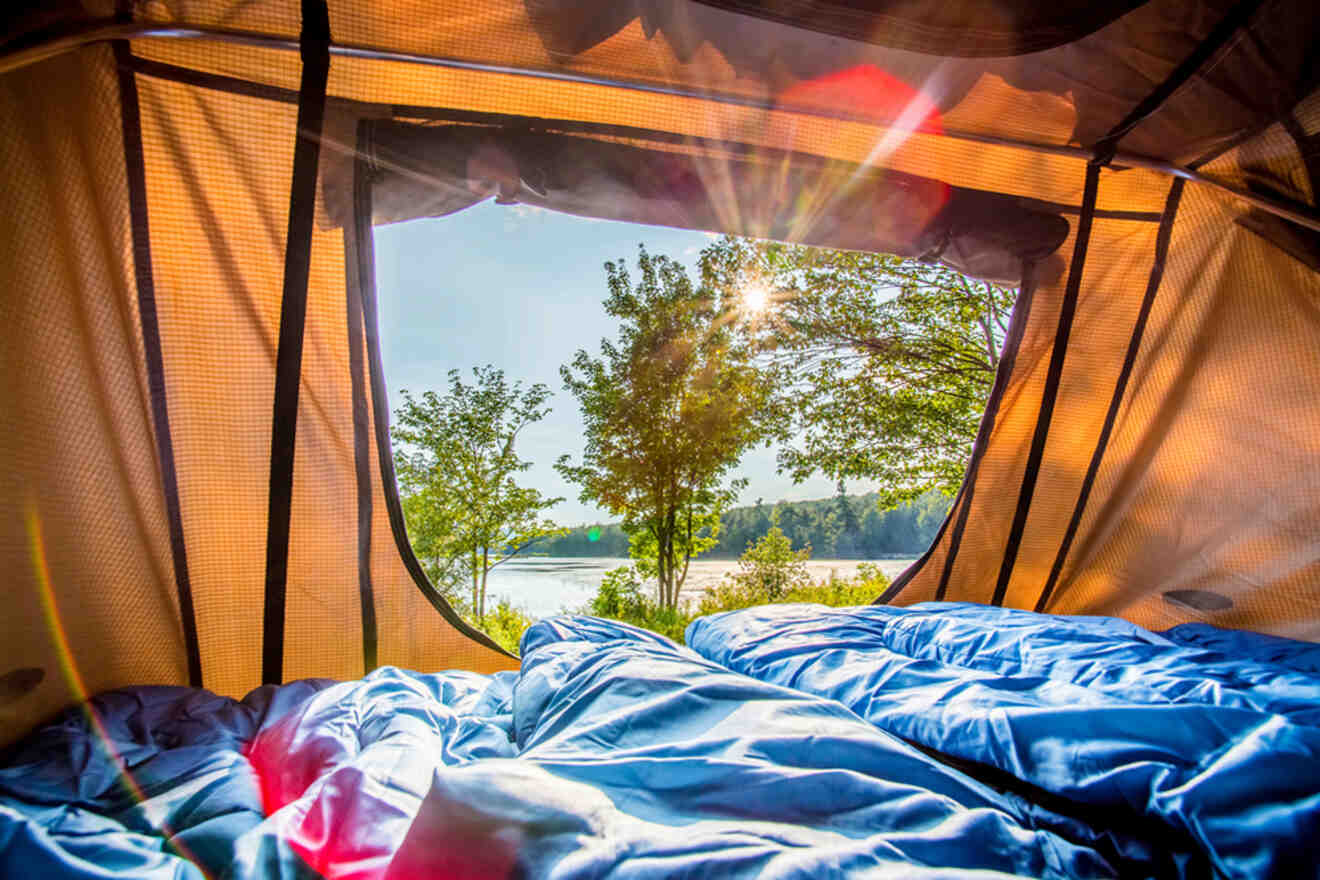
(1198, 600)
(18, 683)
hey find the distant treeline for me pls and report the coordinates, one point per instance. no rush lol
(842, 527)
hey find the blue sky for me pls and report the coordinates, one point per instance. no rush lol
(521, 288)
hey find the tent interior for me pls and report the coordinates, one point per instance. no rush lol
(200, 490)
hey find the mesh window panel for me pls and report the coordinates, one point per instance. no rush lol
(1118, 266)
(218, 169)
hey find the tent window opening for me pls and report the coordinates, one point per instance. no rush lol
(870, 347)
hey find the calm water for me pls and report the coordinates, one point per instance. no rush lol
(546, 585)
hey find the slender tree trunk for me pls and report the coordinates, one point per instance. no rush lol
(660, 567)
(669, 569)
(474, 580)
(667, 561)
(485, 570)
(991, 348)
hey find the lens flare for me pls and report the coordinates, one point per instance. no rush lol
(755, 298)
(77, 687)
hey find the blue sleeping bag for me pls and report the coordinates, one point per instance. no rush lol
(613, 753)
(1219, 753)
(172, 782)
(639, 759)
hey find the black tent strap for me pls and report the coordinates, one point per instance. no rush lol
(1120, 387)
(1308, 147)
(135, 168)
(957, 514)
(315, 53)
(1105, 149)
(363, 255)
(361, 448)
(1021, 312)
(1067, 310)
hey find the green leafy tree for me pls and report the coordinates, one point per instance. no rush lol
(697, 529)
(457, 468)
(669, 407)
(431, 526)
(887, 362)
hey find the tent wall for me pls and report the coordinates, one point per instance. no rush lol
(95, 599)
(219, 166)
(1074, 92)
(1207, 480)
(112, 526)
(91, 599)
(1210, 480)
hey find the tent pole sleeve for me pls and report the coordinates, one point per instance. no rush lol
(361, 433)
(135, 168)
(1053, 376)
(962, 503)
(364, 247)
(1106, 148)
(1120, 387)
(293, 314)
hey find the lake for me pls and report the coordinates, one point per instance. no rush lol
(547, 585)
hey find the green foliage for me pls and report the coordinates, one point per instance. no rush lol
(698, 531)
(621, 596)
(861, 589)
(771, 566)
(886, 363)
(431, 525)
(905, 530)
(611, 540)
(457, 470)
(668, 407)
(771, 571)
(505, 623)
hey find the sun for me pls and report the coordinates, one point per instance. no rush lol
(755, 298)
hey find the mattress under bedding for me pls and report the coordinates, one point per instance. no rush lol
(613, 753)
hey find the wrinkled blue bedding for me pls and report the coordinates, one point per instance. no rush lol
(859, 741)
(613, 753)
(1203, 740)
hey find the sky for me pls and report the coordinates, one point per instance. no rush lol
(522, 288)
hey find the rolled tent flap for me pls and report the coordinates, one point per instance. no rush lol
(437, 170)
(967, 28)
(982, 63)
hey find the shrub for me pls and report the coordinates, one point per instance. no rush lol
(771, 566)
(620, 594)
(621, 597)
(505, 623)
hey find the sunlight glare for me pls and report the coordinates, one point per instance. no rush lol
(755, 298)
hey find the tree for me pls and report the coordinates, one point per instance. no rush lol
(848, 523)
(466, 512)
(669, 407)
(888, 362)
(771, 566)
